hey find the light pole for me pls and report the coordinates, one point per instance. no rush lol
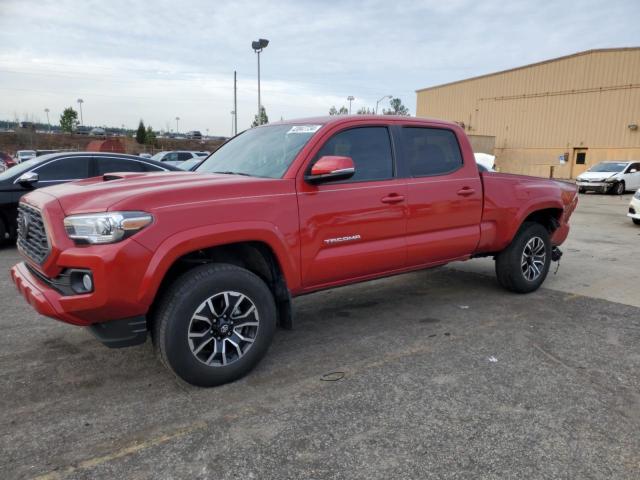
(386, 96)
(46, 110)
(233, 123)
(177, 129)
(80, 102)
(258, 46)
(351, 98)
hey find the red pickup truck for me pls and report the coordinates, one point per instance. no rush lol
(208, 261)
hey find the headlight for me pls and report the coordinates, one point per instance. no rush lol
(108, 227)
(609, 180)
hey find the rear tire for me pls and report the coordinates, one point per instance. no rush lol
(581, 190)
(636, 221)
(523, 266)
(214, 324)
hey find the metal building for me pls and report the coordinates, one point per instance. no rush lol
(555, 117)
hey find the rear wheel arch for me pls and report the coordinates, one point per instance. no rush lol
(547, 217)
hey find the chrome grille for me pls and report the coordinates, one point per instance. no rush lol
(32, 235)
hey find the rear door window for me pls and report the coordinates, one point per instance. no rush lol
(69, 168)
(111, 165)
(430, 151)
(368, 147)
(184, 156)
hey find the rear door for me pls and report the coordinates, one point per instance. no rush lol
(444, 195)
(353, 228)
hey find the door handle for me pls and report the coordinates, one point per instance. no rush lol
(466, 191)
(392, 198)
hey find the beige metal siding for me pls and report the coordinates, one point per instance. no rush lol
(585, 100)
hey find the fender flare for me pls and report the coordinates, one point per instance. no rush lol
(187, 241)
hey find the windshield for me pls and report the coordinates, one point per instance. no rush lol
(260, 152)
(609, 167)
(20, 168)
(158, 156)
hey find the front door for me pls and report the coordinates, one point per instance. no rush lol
(353, 228)
(445, 196)
(579, 164)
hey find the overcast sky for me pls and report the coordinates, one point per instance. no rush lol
(156, 60)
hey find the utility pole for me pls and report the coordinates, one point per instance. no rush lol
(177, 129)
(234, 130)
(46, 110)
(258, 46)
(80, 102)
(350, 98)
(386, 96)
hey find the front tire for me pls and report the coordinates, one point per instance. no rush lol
(619, 188)
(523, 266)
(636, 221)
(215, 324)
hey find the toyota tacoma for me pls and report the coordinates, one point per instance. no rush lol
(207, 262)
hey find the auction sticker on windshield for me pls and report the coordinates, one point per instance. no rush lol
(304, 129)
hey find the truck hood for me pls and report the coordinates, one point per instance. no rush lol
(148, 191)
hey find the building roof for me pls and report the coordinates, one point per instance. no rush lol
(585, 52)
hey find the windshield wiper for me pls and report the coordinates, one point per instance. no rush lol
(228, 172)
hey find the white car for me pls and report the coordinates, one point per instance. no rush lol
(634, 208)
(24, 155)
(611, 177)
(178, 155)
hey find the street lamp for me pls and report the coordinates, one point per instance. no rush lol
(233, 122)
(177, 129)
(80, 102)
(46, 110)
(258, 46)
(386, 96)
(351, 98)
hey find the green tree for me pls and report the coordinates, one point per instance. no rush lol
(141, 133)
(264, 119)
(397, 108)
(364, 111)
(334, 111)
(68, 120)
(150, 136)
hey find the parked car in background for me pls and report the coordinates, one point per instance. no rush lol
(634, 208)
(82, 130)
(39, 153)
(194, 135)
(24, 155)
(614, 177)
(178, 155)
(188, 165)
(98, 132)
(6, 161)
(144, 155)
(58, 168)
(209, 260)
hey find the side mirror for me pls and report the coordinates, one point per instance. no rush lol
(331, 167)
(28, 179)
(633, 170)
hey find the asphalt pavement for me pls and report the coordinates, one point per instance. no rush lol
(434, 374)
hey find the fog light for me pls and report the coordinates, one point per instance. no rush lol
(81, 281)
(87, 282)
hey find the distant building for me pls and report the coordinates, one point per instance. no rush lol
(567, 113)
